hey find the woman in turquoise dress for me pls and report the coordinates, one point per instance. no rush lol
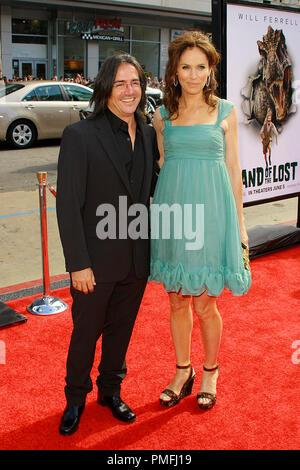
(197, 223)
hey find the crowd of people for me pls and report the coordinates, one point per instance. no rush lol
(78, 78)
(156, 82)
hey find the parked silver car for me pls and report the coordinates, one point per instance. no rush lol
(36, 110)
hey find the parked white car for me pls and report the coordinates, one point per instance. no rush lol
(36, 110)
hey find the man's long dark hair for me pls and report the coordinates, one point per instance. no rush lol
(105, 80)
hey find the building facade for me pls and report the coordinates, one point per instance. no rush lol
(63, 38)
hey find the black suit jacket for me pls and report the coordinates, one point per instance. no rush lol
(90, 173)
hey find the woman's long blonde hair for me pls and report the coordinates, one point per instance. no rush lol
(176, 48)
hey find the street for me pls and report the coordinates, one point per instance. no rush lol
(20, 235)
(19, 167)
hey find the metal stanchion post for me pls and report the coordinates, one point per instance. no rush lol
(46, 305)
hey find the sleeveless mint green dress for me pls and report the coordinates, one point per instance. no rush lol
(195, 236)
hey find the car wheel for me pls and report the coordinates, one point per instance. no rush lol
(21, 134)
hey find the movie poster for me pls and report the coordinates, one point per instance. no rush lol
(263, 81)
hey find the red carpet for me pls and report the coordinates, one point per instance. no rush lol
(258, 389)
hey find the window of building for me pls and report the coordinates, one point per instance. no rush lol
(148, 56)
(71, 52)
(144, 44)
(141, 33)
(29, 31)
(108, 48)
(70, 55)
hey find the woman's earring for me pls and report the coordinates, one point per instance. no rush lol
(175, 82)
(207, 81)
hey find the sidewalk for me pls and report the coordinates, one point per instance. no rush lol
(20, 239)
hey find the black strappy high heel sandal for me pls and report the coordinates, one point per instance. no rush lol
(184, 392)
(212, 397)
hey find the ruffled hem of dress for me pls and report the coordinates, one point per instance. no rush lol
(175, 278)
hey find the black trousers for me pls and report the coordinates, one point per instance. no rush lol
(109, 311)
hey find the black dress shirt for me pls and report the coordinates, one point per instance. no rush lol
(132, 158)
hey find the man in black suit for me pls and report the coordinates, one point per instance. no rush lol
(107, 163)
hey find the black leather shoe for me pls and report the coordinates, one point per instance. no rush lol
(70, 420)
(119, 409)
